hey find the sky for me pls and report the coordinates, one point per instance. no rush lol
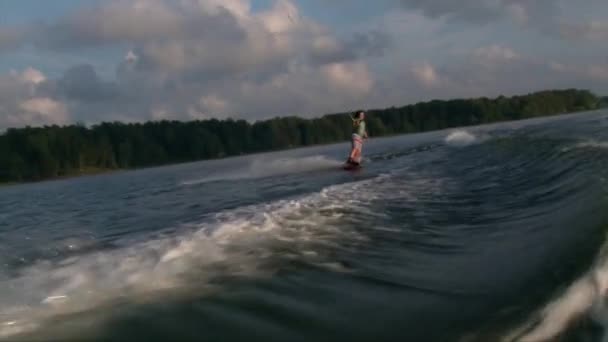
(90, 61)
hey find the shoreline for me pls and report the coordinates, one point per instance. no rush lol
(97, 171)
(86, 173)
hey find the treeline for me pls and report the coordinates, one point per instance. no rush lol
(28, 154)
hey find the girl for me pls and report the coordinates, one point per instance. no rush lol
(359, 134)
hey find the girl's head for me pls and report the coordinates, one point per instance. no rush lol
(359, 115)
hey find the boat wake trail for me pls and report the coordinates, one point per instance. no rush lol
(250, 241)
(461, 138)
(261, 168)
(585, 300)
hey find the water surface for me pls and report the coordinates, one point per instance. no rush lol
(479, 234)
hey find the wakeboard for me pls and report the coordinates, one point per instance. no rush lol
(351, 167)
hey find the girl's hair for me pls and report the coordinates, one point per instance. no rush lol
(359, 114)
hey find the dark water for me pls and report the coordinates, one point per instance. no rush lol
(485, 234)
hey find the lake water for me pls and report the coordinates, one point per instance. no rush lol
(486, 233)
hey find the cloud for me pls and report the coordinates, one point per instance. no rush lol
(350, 78)
(302, 89)
(10, 37)
(209, 38)
(81, 83)
(494, 53)
(478, 11)
(133, 21)
(489, 70)
(494, 56)
(205, 35)
(596, 72)
(592, 30)
(47, 109)
(131, 57)
(484, 11)
(540, 14)
(213, 103)
(426, 75)
(31, 76)
(22, 103)
(551, 17)
(196, 59)
(327, 49)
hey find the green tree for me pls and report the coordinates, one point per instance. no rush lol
(34, 153)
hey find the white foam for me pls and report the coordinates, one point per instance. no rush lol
(260, 168)
(589, 144)
(263, 168)
(460, 138)
(593, 144)
(585, 296)
(239, 241)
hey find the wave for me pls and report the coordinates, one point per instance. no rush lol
(261, 168)
(584, 300)
(586, 145)
(592, 144)
(264, 168)
(255, 241)
(244, 242)
(460, 138)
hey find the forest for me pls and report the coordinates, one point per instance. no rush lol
(38, 153)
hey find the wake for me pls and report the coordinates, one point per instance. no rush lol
(588, 145)
(249, 241)
(460, 138)
(261, 168)
(593, 144)
(586, 298)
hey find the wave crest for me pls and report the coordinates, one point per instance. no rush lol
(583, 299)
(247, 241)
(460, 138)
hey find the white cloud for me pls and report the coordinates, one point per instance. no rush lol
(23, 102)
(351, 78)
(131, 57)
(192, 35)
(414, 81)
(426, 74)
(213, 58)
(49, 110)
(208, 106)
(33, 76)
(282, 17)
(29, 79)
(204, 58)
(240, 8)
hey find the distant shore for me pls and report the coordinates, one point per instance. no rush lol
(83, 173)
(34, 154)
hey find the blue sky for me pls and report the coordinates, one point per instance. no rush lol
(63, 61)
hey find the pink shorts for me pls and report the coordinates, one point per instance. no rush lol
(357, 146)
